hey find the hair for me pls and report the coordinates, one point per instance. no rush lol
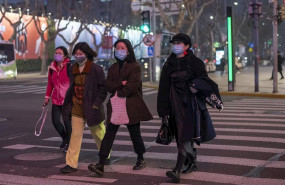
(65, 52)
(85, 48)
(131, 56)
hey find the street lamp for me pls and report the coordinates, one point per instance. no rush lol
(235, 3)
(211, 17)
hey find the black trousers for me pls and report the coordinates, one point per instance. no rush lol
(109, 138)
(63, 131)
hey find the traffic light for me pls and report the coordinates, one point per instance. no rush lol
(145, 27)
(281, 13)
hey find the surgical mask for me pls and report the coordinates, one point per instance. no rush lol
(177, 49)
(80, 59)
(58, 57)
(121, 54)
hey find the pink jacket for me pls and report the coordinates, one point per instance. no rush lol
(58, 82)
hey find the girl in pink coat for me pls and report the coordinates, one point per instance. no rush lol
(58, 83)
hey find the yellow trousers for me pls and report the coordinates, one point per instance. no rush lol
(97, 132)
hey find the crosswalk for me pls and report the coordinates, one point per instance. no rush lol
(250, 143)
(41, 89)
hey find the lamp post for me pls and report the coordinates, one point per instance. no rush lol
(255, 12)
(274, 47)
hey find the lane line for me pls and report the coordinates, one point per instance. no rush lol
(173, 144)
(151, 92)
(198, 176)
(26, 89)
(86, 179)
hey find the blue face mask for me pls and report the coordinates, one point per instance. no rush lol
(121, 54)
(177, 49)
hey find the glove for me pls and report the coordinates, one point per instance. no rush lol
(165, 120)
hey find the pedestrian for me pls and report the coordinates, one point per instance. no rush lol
(222, 65)
(84, 102)
(279, 67)
(58, 83)
(124, 81)
(185, 113)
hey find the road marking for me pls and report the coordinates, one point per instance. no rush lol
(197, 176)
(246, 115)
(20, 179)
(173, 156)
(254, 108)
(147, 89)
(246, 119)
(86, 179)
(231, 123)
(249, 124)
(151, 92)
(26, 89)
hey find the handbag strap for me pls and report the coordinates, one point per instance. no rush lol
(43, 118)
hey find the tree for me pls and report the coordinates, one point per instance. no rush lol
(16, 24)
(46, 27)
(186, 16)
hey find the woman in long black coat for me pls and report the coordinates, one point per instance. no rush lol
(188, 117)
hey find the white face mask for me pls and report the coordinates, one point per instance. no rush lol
(177, 49)
(80, 59)
(121, 54)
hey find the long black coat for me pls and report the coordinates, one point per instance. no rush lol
(94, 94)
(175, 99)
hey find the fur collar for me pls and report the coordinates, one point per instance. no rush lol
(86, 69)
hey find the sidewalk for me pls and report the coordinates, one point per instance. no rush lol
(245, 84)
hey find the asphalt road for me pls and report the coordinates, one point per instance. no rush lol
(249, 147)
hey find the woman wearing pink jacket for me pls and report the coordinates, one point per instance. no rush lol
(58, 83)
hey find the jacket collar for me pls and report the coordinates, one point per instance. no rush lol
(53, 65)
(189, 56)
(86, 69)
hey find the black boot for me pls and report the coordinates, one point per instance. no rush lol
(139, 165)
(67, 169)
(190, 162)
(190, 168)
(97, 168)
(174, 175)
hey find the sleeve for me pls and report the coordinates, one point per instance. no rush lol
(112, 83)
(200, 69)
(100, 76)
(163, 108)
(133, 83)
(50, 84)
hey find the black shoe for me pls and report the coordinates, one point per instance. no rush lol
(139, 165)
(63, 144)
(189, 168)
(271, 79)
(96, 168)
(174, 175)
(65, 148)
(282, 78)
(67, 169)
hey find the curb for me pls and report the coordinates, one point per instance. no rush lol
(257, 94)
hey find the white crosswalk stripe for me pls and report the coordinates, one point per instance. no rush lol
(240, 129)
(40, 89)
